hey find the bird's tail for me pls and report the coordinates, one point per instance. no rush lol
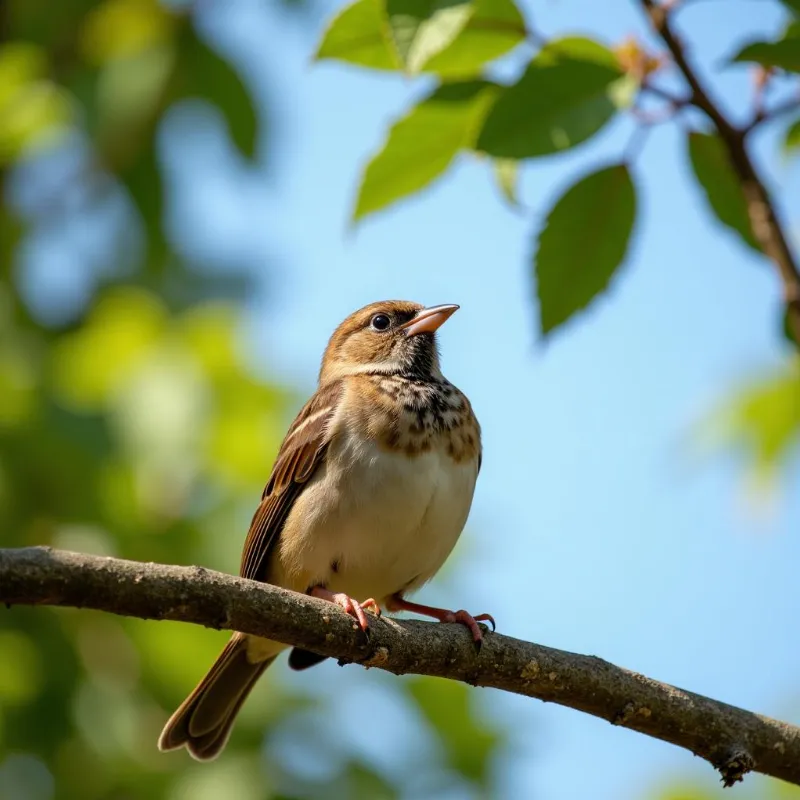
(203, 722)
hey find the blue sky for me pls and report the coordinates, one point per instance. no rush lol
(595, 527)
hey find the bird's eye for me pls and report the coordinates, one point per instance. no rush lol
(380, 322)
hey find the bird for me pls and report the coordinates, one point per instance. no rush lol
(368, 495)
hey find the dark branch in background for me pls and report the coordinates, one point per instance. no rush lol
(766, 226)
(768, 114)
(733, 740)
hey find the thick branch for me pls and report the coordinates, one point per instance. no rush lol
(767, 228)
(733, 740)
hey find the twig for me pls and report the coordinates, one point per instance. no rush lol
(767, 228)
(733, 740)
(674, 101)
(769, 114)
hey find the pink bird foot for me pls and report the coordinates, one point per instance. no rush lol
(398, 603)
(352, 607)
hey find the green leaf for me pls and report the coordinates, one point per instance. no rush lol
(143, 181)
(423, 28)
(469, 742)
(506, 174)
(783, 53)
(359, 35)
(681, 790)
(722, 188)
(565, 96)
(583, 242)
(789, 326)
(792, 6)
(421, 146)
(206, 75)
(791, 139)
(495, 28)
(451, 39)
(763, 417)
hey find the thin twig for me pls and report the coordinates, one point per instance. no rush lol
(674, 101)
(735, 741)
(763, 215)
(768, 114)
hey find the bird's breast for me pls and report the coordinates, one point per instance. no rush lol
(386, 507)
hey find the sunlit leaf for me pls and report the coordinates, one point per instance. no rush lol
(38, 116)
(421, 146)
(20, 64)
(206, 75)
(506, 174)
(210, 331)
(359, 35)
(124, 28)
(762, 418)
(453, 41)
(422, 28)
(583, 243)
(494, 28)
(91, 363)
(129, 95)
(34, 111)
(564, 97)
(686, 791)
(722, 188)
(243, 436)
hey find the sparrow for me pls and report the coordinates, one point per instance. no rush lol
(368, 495)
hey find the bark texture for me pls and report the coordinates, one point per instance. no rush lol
(733, 740)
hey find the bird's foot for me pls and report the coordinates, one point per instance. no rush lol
(352, 607)
(372, 605)
(397, 603)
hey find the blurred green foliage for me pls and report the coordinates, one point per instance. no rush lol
(131, 425)
(760, 422)
(755, 787)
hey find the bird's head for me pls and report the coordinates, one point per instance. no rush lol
(392, 337)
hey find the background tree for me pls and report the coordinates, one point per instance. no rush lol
(124, 289)
(131, 422)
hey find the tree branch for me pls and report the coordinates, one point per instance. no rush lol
(768, 114)
(766, 226)
(733, 740)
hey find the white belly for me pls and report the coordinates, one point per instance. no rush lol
(381, 524)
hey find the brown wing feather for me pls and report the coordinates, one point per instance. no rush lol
(300, 454)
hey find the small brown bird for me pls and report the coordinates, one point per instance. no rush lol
(368, 495)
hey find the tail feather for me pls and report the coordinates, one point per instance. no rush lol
(203, 722)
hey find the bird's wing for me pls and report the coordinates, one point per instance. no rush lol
(299, 456)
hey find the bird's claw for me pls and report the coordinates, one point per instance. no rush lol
(471, 623)
(372, 605)
(399, 603)
(350, 606)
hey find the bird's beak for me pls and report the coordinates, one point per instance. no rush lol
(428, 320)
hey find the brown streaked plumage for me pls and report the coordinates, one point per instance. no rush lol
(367, 497)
